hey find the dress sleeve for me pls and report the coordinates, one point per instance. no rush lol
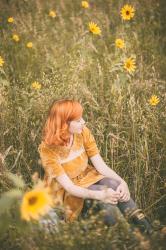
(49, 161)
(89, 143)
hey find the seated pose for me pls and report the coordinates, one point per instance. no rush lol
(66, 146)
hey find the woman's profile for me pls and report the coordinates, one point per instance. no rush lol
(66, 147)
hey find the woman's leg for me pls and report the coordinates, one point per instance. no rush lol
(129, 209)
(111, 211)
(110, 215)
(123, 206)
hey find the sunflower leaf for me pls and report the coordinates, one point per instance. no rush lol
(8, 198)
(17, 180)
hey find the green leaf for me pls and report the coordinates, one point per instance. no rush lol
(8, 198)
(17, 180)
(5, 221)
(122, 77)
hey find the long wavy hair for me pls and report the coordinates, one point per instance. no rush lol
(56, 128)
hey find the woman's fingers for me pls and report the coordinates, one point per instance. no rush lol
(122, 195)
(111, 199)
(125, 198)
(112, 193)
(111, 202)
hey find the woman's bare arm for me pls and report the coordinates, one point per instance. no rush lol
(107, 195)
(103, 169)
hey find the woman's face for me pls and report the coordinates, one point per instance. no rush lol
(76, 126)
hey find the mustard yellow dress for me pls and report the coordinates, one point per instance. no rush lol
(57, 160)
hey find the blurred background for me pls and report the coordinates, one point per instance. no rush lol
(47, 52)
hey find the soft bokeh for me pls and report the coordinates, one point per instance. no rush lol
(47, 53)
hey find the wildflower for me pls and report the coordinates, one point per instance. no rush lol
(119, 43)
(1, 61)
(36, 85)
(94, 28)
(85, 4)
(29, 45)
(16, 38)
(127, 12)
(154, 100)
(35, 203)
(129, 64)
(52, 13)
(10, 20)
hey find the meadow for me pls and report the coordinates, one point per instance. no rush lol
(114, 64)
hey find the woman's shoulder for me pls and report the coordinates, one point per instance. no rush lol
(85, 131)
(44, 148)
(54, 150)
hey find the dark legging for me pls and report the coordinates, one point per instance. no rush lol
(111, 211)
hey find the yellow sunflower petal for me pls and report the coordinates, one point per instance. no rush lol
(36, 85)
(85, 4)
(154, 100)
(129, 65)
(94, 28)
(35, 204)
(52, 13)
(119, 43)
(29, 45)
(1, 61)
(10, 20)
(16, 38)
(127, 12)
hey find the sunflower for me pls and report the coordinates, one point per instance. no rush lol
(16, 38)
(10, 20)
(94, 28)
(127, 12)
(35, 204)
(119, 43)
(154, 100)
(36, 85)
(129, 64)
(1, 61)
(29, 45)
(85, 4)
(52, 13)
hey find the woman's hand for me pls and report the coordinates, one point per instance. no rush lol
(108, 195)
(123, 190)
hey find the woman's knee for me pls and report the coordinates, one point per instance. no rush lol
(110, 183)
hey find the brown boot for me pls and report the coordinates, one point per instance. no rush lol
(138, 218)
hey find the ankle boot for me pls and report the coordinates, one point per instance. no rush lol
(138, 218)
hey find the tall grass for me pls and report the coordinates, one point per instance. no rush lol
(69, 62)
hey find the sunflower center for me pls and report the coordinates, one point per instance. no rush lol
(128, 65)
(32, 200)
(127, 12)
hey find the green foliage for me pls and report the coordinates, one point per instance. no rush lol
(83, 234)
(11, 200)
(69, 62)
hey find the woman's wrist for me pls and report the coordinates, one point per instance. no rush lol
(98, 195)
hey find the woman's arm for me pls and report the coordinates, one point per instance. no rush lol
(107, 195)
(103, 169)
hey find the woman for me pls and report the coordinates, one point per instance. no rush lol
(66, 146)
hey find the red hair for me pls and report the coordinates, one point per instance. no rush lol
(56, 129)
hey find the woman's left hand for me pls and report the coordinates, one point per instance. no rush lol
(124, 192)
